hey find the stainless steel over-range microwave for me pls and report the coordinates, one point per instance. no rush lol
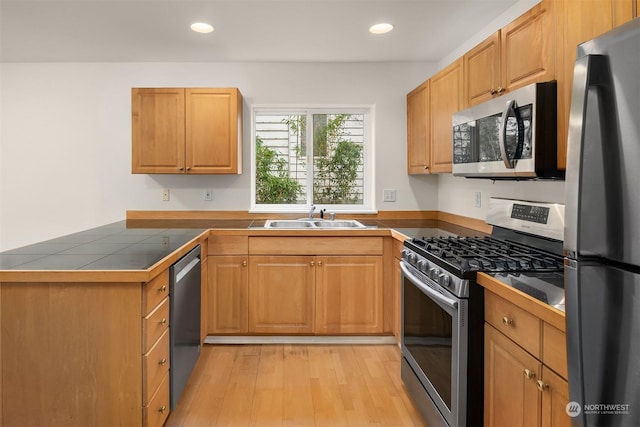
(513, 136)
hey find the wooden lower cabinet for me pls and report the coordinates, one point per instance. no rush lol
(85, 353)
(228, 295)
(511, 398)
(523, 382)
(349, 295)
(281, 294)
(322, 295)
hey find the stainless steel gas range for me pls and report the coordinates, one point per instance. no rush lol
(443, 306)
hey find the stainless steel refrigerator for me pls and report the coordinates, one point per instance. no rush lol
(602, 234)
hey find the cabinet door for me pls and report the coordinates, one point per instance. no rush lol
(482, 71)
(511, 396)
(418, 130)
(528, 47)
(212, 127)
(446, 99)
(157, 130)
(578, 21)
(228, 306)
(349, 295)
(281, 294)
(555, 397)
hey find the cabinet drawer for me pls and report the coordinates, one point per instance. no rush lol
(554, 349)
(155, 364)
(316, 245)
(155, 291)
(519, 325)
(228, 245)
(154, 324)
(156, 413)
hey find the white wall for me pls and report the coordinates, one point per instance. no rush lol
(65, 137)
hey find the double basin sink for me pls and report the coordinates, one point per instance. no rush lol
(317, 224)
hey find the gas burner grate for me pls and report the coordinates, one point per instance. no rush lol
(487, 254)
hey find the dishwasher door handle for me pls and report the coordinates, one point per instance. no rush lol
(187, 268)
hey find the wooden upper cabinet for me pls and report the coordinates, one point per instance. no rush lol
(528, 47)
(482, 71)
(212, 129)
(194, 130)
(418, 134)
(157, 130)
(446, 99)
(578, 21)
(521, 53)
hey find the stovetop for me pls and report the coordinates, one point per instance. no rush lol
(526, 238)
(463, 255)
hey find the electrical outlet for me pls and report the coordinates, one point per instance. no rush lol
(478, 199)
(165, 194)
(208, 195)
(388, 195)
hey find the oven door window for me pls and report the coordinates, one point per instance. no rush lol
(428, 337)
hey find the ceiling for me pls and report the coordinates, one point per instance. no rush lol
(245, 30)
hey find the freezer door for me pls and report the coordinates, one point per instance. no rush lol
(603, 344)
(602, 213)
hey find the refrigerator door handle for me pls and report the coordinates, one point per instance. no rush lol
(589, 71)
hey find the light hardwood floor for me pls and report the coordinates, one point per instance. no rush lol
(296, 385)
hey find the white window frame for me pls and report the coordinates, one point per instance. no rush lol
(368, 190)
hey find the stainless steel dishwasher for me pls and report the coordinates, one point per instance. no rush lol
(184, 330)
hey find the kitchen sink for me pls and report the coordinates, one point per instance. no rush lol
(318, 224)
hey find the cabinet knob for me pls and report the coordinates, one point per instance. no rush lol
(312, 263)
(426, 168)
(181, 169)
(162, 288)
(493, 91)
(507, 321)
(163, 321)
(244, 263)
(501, 89)
(319, 263)
(162, 361)
(542, 386)
(188, 168)
(162, 409)
(528, 374)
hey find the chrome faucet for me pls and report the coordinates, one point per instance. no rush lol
(312, 209)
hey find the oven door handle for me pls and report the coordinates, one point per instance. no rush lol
(438, 297)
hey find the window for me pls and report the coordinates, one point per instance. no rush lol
(311, 156)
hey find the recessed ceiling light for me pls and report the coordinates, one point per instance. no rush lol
(380, 28)
(201, 27)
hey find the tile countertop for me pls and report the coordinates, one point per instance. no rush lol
(139, 245)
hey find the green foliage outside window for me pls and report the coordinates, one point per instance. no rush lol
(273, 183)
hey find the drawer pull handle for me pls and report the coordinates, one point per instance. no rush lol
(542, 386)
(162, 361)
(163, 321)
(507, 321)
(162, 409)
(162, 288)
(528, 374)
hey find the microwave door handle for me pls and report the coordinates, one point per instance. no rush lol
(589, 71)
(502, 135)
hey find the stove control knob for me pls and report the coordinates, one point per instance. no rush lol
(434, 273)
(422, 265)
(405, 254)
(444, 280)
